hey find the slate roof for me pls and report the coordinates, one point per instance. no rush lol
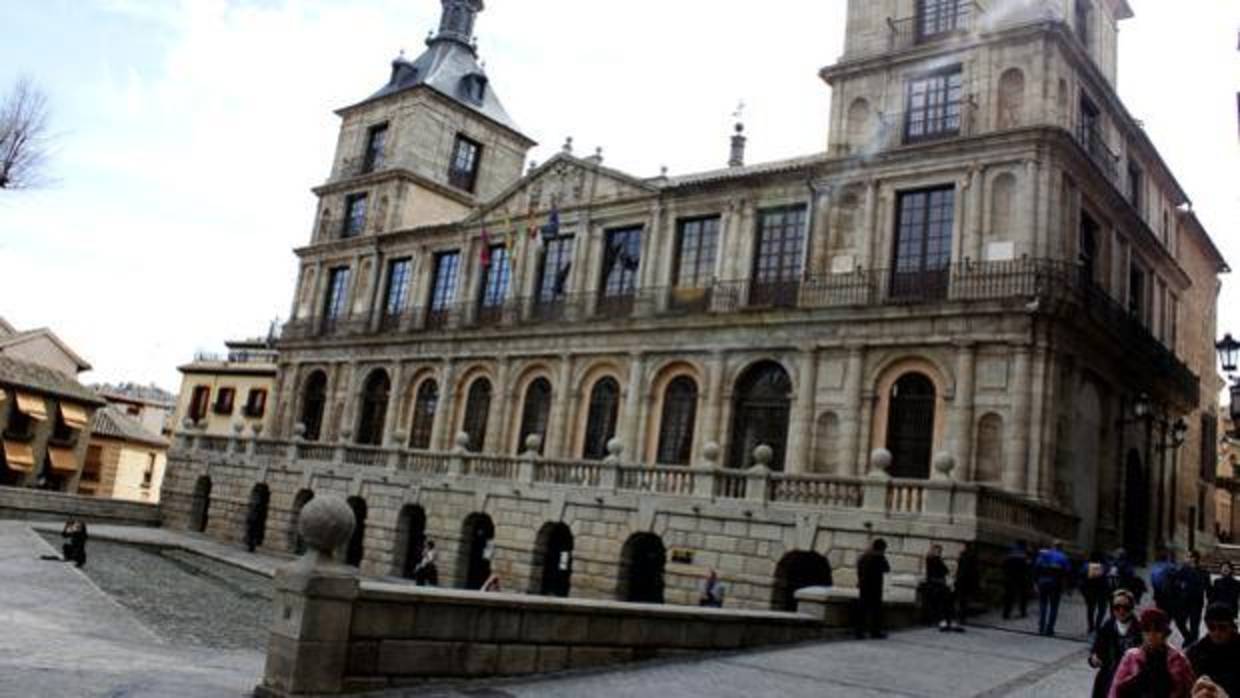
(40, 379)
(27, 335)
(111, 422)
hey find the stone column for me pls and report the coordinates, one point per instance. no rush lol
(712, 407)
(1041, 457)
(630, 423)
(1019, 472)
(962, 412)
(850, 420)
(391, 416)
(869, 232)
(558, 427)
(974, 248)
(497, 419)
(593, 262)
(868, 398)
(801, 420)
(444, 417)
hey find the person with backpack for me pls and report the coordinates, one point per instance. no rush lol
(1051, 570)
(1095, 592)
(1162, 579)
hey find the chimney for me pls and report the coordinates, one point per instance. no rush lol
(738, 147)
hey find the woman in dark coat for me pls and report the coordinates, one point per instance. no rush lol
(1118, 633)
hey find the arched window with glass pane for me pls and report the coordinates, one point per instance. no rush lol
(535, 411)
(424, 406)
(677, 422)
(910, 426)
(374, 409)
(601, 418)
(761, 407)
(477, 409)
(313, 402)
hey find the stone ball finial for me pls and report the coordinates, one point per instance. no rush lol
(615, 447)
(187, 424)
(944, 464)
(462, 440)
(710, 452)
(346, 433)
(568, 144)
(881, 460)
(238, 427)
(326, 523)
(299, 430)
(399, 437)
(257, 428)
(763, 455)
(533, 442)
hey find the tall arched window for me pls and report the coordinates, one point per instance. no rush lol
(910, 426)
(535, 411)
(601, 418)
(313, 402)
(374, 409)
(424, 405)
(477, 408)
(760, 409)
(676, 425)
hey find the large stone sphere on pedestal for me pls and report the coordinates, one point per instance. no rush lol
(880, 460)
(326, 523)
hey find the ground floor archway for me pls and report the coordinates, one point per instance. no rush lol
(1136, 507)
(200, 505)
(410, 539)
(256, 516)
(355, 552)
(553, 560)
(477, 550)
(642, 562)
(797, 570)
(295, 543)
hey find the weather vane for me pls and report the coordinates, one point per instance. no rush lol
(740, 110)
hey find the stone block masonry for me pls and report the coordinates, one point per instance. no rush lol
(41, 505)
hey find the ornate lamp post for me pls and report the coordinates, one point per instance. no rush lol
(1228, 354)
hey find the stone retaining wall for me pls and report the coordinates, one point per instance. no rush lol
(40, 505)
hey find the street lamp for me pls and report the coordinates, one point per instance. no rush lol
(1228, 354)
(1141, 407)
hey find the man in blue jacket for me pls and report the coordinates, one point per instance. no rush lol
(1051, 570)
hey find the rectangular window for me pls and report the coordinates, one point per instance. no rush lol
(443, 288)
(337, 294)
(557, 262)
(923, 243)
(397, 298)
(1089, 249)
(1082, 12)
(1136, 183)
(933, 106)
(224, 401)
(62, 433)
(149, 474)
(778, 255)
(256, 403)
(622, 250)
(376, 139)
(937, 17)
(199, 402)
(1209, 447)
(354, 215)
(498, 276)
(1136, 292)
(463, 172)
(697, 243)
(1089, 128)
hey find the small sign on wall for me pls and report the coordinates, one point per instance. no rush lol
(682, 556)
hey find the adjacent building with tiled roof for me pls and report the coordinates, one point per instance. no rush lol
(125, 460)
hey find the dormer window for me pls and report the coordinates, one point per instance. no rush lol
(376, 139)
(474, 88)
(463, 172)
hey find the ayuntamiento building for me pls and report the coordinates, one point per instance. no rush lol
(984, 311)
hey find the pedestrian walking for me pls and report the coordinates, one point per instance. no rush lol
(872, 567)
(1094, 589)
(1192, 582)
(1051, 570)
(1123, 575)
(254, 520)
(1162, 579)
(1217, 655)
(1016, 580)
(1226, 589)
(426, 573)
(712, 590)
(937, 591)
(74, 547)
(1155, 669)
(1116, 635)
(968, 581)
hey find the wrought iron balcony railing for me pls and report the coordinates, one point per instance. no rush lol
(950, 21)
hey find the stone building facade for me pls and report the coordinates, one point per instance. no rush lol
(988, 266)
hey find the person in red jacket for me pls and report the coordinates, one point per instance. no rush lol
(1155, 669)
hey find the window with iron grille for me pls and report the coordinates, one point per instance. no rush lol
(337, 293)
(224, 401)
(199, 402)
(443, 287)
(376, 139)
(397, 298)
(677, 423)
(601, 418)
(424, 406)
(463, 172)
(354, 215)
(777, 262)
(535, 411)
(923, 243)
(477, 411)
(1209, 447)
(933, 106)
(498, 275)
(557, 262)
(936, 17)
(697, 243)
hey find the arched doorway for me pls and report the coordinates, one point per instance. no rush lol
(374, 409)
(641, 569)
(356, 549)
(553, 560)
(313, 403)
(761, 405)
(410, 539)
(256, 516)
(200, 505)
(478, 549)
(797, 570)
(295, 544)
(910, 426)
(1136, 508)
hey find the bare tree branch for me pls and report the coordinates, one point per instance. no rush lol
(24, 137)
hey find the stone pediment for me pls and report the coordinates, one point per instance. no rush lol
(564, 181)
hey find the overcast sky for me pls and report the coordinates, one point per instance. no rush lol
(190, 132)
